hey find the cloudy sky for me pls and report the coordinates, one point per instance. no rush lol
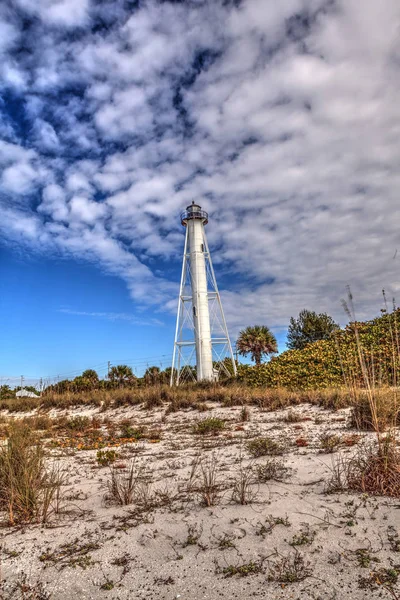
(282, 119)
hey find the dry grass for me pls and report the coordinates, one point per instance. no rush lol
(264, 446)
(189, 396)
(386, 410)
(29, 490)
(205, 480)
(125, 487)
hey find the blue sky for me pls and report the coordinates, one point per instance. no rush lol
(280, 118)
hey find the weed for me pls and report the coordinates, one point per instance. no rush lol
(272, 469)
(270, 523)
(204, 480)
(193, 536)
(364, 559)
(263, 446)
(245, 489)
(210, 425)
(124, 488)
(393, 539)
(106, 457)
(226, 541)
(250, 568)
(304, 538)
(245, 414)
(289, 568)
(384, 577)
(329, 442)
(71, 554)
(374, 469)
(23, 589)
(292, 417)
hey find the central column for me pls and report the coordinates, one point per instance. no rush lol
(201, 315)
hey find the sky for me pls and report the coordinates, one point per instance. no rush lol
(280, 118)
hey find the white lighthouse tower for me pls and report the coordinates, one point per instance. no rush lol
(202, 349)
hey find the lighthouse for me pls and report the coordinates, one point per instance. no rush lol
(202, 348)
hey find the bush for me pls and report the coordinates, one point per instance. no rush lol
(106, 457)
(325, 363)
(210, 425)
(263, 446)
(28, 490)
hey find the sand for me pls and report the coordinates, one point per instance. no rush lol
(168, 545)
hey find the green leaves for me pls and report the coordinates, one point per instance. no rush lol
(334, 361)
(309, 327)
(257, 341)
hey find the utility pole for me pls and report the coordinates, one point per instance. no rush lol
(108, 369)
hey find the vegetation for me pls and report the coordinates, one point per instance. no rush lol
(309, 327)
(29, 490)
(258, 341)
(264, 446)
(335, 362)
(210, 425)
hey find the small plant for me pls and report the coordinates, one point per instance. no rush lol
(292, 417)
(250, 568)
(204, 480)
(271, 522)
(304, 538)
(226, 542)
(123, 488)
(364, 559)
(384, 577)
(193, 536)
(263, 446)
(289, 569)
(245, 414)
(23, 589)
(393, 539)
(106, 457)
(272, 469)
(71, 554)
(209, 425)
(128, 431)
(329, 442)
(245, 485)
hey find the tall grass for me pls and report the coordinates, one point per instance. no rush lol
(376, 469)
(186, 397)
(29, 489)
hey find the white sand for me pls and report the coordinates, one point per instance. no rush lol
(181, 550)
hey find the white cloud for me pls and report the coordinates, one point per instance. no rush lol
(64, 13)
(282, 119)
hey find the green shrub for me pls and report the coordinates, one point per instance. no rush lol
(263, 446)
(106, 457)
(333, 362)
(210, 425)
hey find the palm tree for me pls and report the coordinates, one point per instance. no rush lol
(152, 375)
(91, 376)
(257, 341)
(121, 375)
